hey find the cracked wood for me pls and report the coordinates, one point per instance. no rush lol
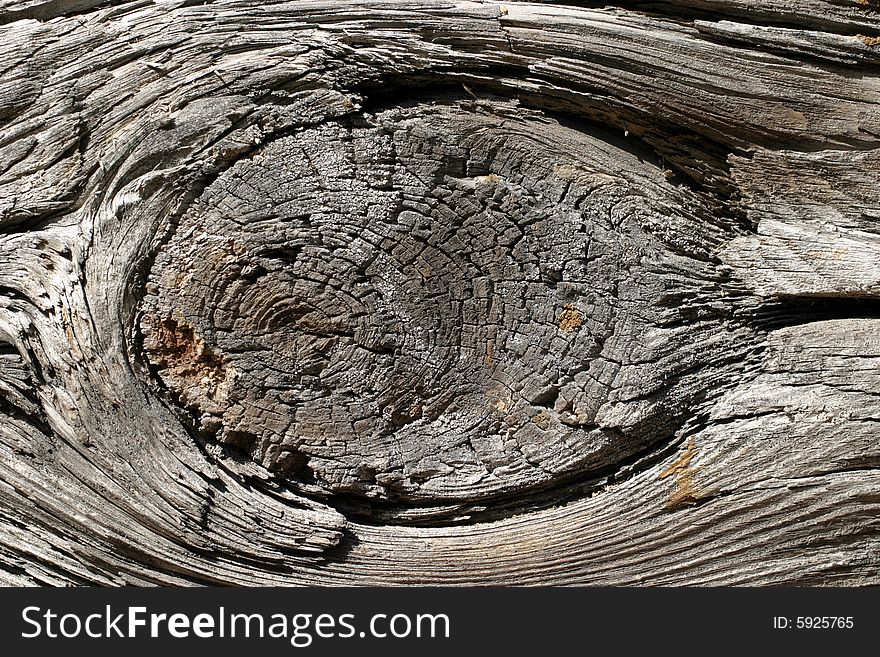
(439, 292)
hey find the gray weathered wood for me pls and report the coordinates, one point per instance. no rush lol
(439, 292)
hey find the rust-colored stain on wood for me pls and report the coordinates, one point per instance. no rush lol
(870, 40)
(685, 492)
(490, 179)
(188, 365)
(542, 420)
(570, 320)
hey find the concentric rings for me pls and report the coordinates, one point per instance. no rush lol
(421, 304)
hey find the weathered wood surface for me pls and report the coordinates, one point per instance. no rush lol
(374, 292)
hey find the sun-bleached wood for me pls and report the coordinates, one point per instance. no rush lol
(439, 292)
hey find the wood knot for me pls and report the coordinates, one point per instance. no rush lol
(414, 309)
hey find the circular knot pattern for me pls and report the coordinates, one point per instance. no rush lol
(431, 302)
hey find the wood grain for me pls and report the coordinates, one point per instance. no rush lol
(435, 292)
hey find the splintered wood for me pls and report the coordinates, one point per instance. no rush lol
(439, 292)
